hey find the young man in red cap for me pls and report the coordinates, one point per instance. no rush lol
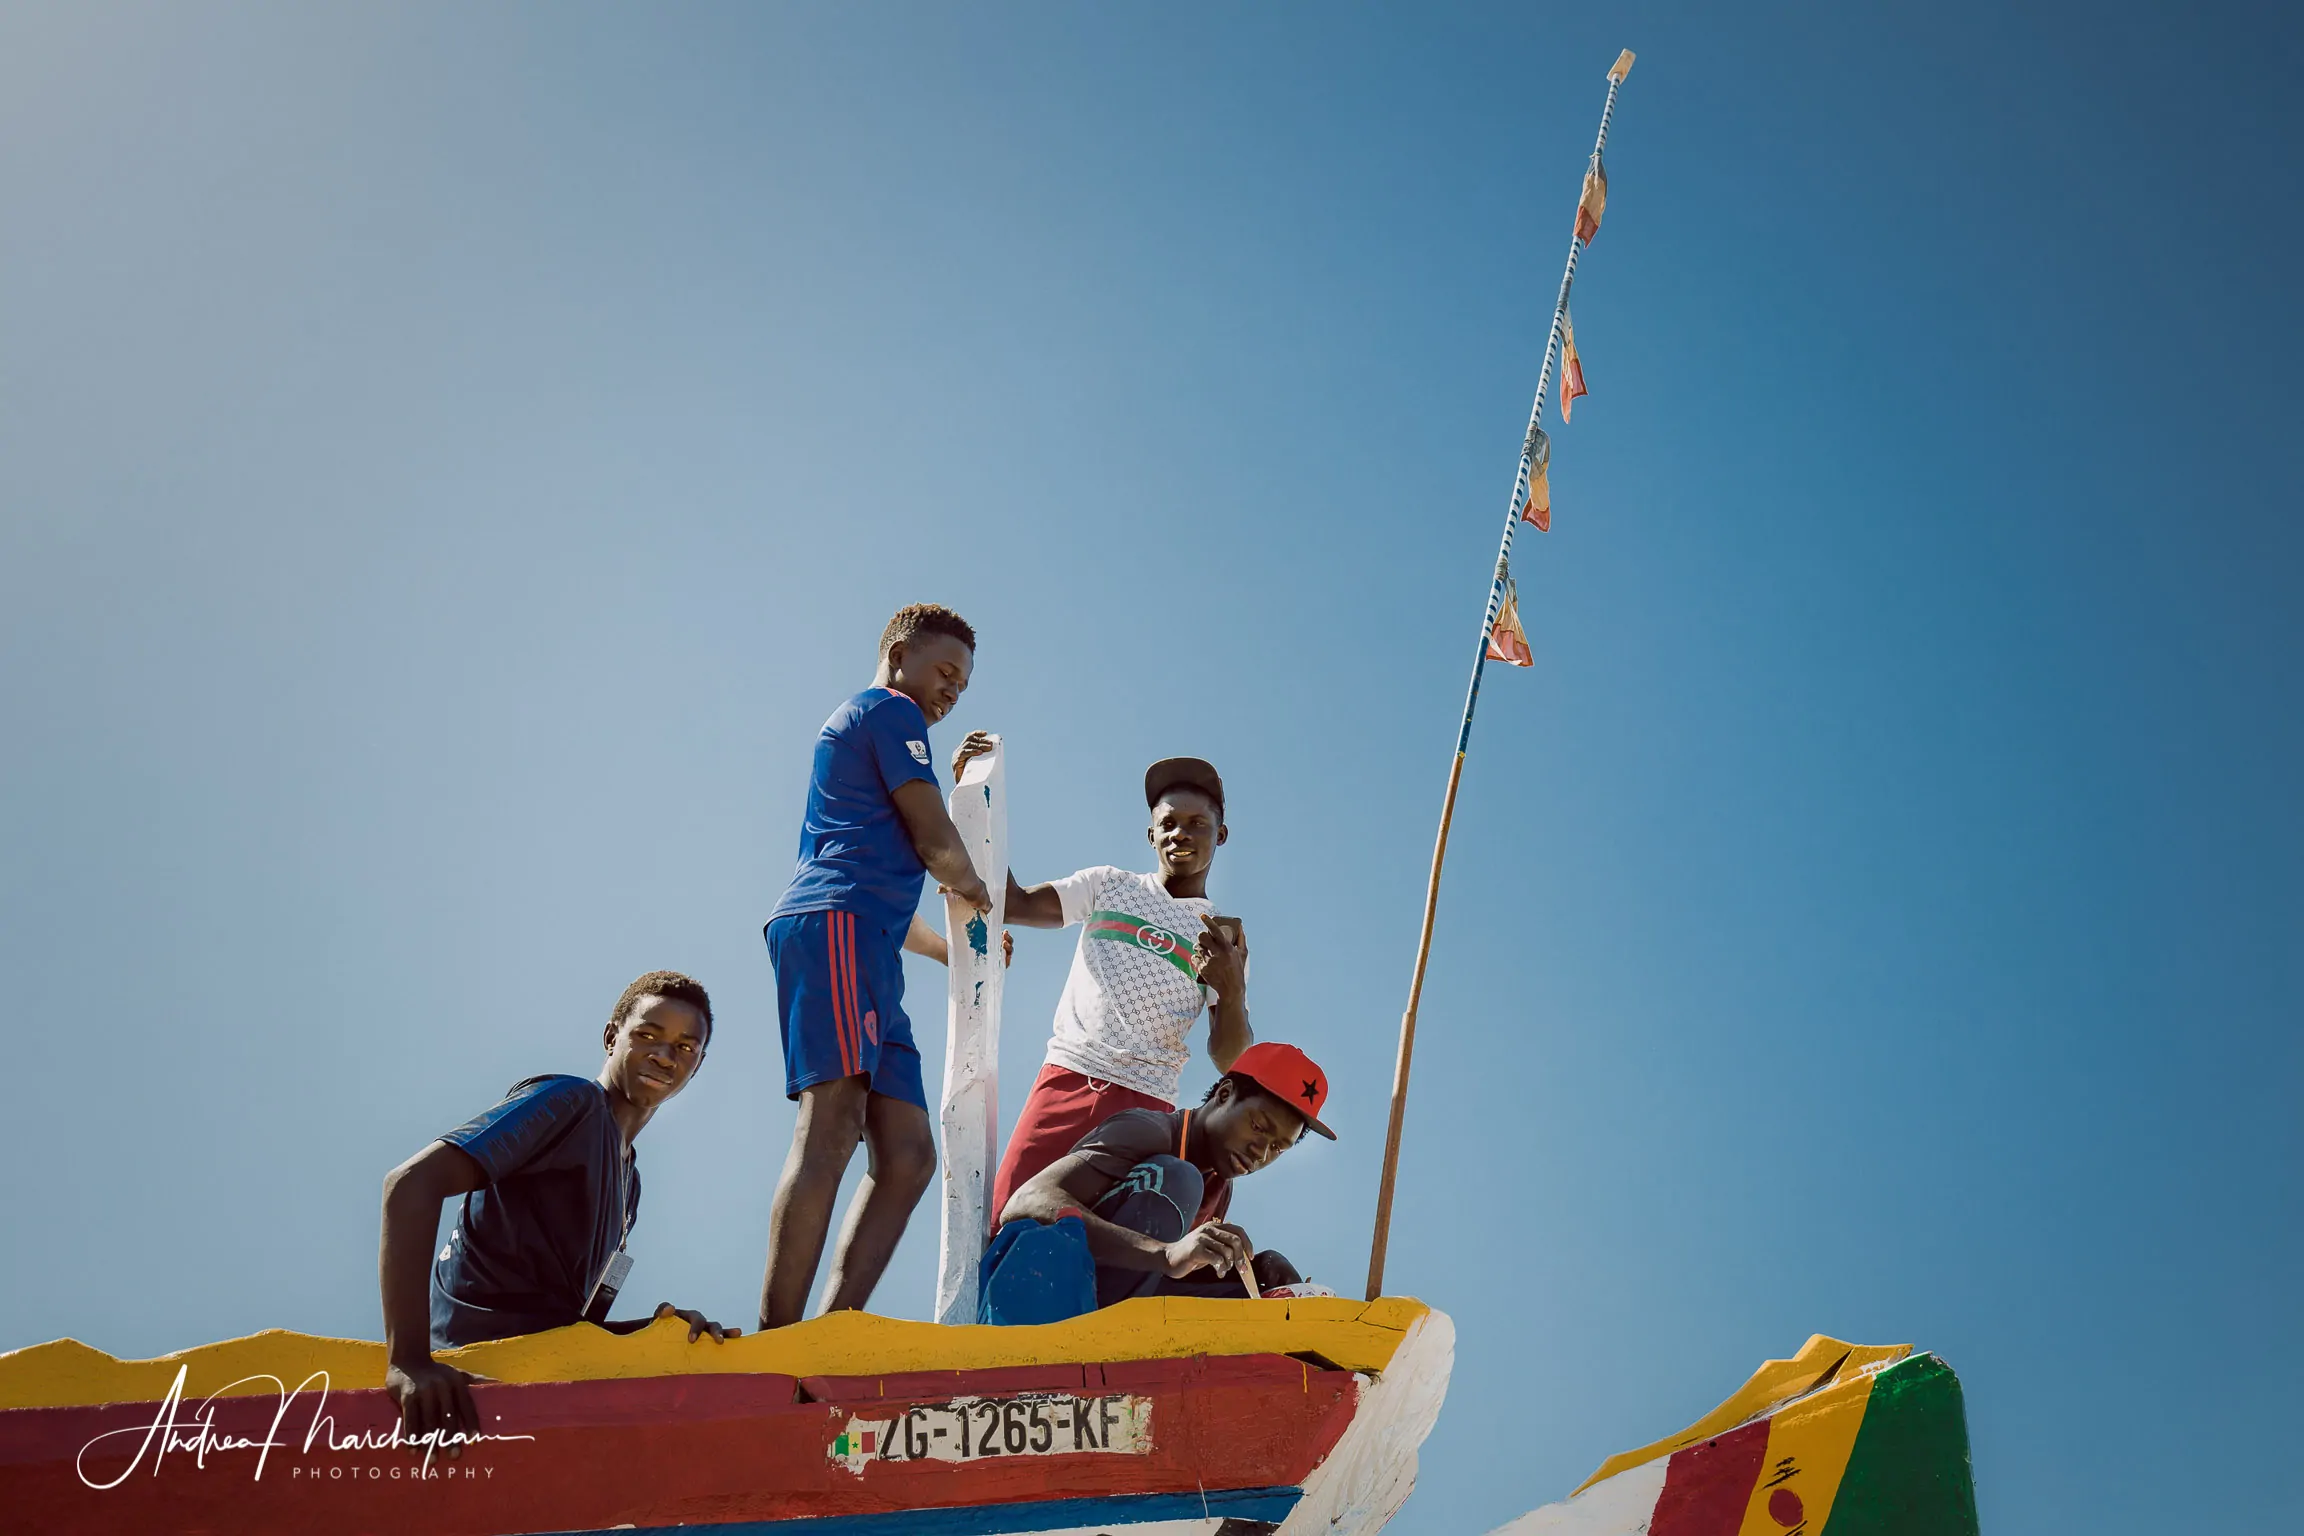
(1152, 957)
(1152, 1187)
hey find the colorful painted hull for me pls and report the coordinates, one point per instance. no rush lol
(1156, 1418)
(1840, 1440)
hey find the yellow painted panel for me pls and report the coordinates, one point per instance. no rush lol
(67, 1372)
(1808, 1446)
(1775, 1383)
(1390, 1311)
(1358, 1336)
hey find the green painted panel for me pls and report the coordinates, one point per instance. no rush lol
(1908, 1474)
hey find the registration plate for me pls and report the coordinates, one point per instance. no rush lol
(981, 1428)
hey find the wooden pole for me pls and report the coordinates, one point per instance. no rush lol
(1496, 586)
(1408, 1038)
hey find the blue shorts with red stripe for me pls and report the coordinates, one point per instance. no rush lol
(840, 999)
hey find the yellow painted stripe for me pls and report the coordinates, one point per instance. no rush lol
(1358, 1336)
(1776, 1382)
(1808, 1446)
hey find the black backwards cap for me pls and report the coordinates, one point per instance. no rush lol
(1183, 773)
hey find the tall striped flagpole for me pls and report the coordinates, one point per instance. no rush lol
(1616, 74)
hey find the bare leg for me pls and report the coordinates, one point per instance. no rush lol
(831, 1122)
(903, 1153)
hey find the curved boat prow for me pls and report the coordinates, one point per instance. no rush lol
(1365, 1480)
(1840, 1440)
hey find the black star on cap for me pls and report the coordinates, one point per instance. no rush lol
(1311, 1093)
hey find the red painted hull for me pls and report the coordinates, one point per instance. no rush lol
(695, 1450)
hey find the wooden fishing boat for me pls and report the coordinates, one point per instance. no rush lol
(1840, 1440)
(1155, 1417)
(1158, 1417)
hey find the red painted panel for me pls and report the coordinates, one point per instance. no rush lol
(916, 1385)
(1707, 1486)
(661, 1451)
(580, 1404)
(1148, 1375)
(1248, 1370)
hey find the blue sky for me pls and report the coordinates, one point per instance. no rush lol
(451, 462)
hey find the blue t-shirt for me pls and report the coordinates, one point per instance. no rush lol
(561, 1196)
(855, 855)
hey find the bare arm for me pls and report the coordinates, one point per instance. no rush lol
(1228, 1031)
(924, 940)
(431, 1396)
(938, 843)
(1070, 1186)
(1033, 906)
(1223, 966)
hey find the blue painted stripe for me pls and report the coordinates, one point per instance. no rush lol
(1266, 1504)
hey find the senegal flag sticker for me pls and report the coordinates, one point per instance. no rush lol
(1122, 928)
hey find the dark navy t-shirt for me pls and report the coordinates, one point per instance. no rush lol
(1138, 1135)
(529, 1246)
(855, 855)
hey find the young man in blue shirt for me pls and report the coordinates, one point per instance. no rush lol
(875, 823)
(551, 1190)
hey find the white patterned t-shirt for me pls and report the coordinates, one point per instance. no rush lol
(1129, 1003)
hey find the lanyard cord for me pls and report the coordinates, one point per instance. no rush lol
(624, 1199)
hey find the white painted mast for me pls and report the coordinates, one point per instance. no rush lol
(971, 1113)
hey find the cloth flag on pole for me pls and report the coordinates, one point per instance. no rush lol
(1507, 641)
(1537, 508)
(1594, 202)
(1571, 366)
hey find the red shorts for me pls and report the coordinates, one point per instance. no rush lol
(1062, 1107)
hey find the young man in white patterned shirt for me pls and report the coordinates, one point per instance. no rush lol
(1152, 957)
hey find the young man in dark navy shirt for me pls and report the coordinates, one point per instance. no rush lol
(875, 823)
(551, 1190)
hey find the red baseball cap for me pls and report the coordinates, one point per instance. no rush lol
(1290, 1076)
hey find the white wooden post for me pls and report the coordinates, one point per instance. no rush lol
(971, 1116)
